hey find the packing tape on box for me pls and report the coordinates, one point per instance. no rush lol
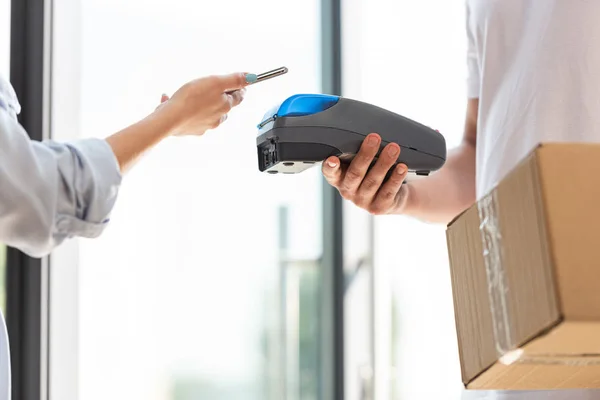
(570, 360)
(496, 275)
(497, 284)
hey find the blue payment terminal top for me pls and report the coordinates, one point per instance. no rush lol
(298, 105)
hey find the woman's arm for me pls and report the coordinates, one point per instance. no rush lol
(198, 106)
(51, 191)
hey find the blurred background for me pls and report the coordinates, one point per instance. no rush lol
(215, 281)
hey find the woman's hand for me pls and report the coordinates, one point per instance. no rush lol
(204, 103)
(196, 107)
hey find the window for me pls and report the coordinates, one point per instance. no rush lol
(358, 304)
(207, 283)
(395, 59)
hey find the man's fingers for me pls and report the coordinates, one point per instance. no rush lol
(372, 181)
(359, 166)
(235, 81)
(384, 201)
(332, 171)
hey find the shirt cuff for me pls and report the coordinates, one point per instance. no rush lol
(96, 190)
(67, 226)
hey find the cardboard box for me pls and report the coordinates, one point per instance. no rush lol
(525, 267)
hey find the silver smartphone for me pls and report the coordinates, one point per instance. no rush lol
(266, 76)
(270, 74)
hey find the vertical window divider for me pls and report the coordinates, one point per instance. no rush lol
(332, 374)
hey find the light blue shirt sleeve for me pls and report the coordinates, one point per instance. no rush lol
(49, 191)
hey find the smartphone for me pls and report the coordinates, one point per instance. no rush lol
(267, 75)
(270, 74)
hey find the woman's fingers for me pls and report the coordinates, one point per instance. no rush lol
(238, 96)
(235, 81)
(163, 99)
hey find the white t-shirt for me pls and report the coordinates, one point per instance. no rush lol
(535, 67)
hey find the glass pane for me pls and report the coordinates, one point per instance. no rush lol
(419, 313)
(359, 300)
(358, 323)
(192, 292)
(5, 37)
(4, 72)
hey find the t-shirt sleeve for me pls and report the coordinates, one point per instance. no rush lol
(473, 71)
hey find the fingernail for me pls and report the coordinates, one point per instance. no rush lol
(401, 169)
(373, 140)
(393, 151)
(251, 78)
(331, 164)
